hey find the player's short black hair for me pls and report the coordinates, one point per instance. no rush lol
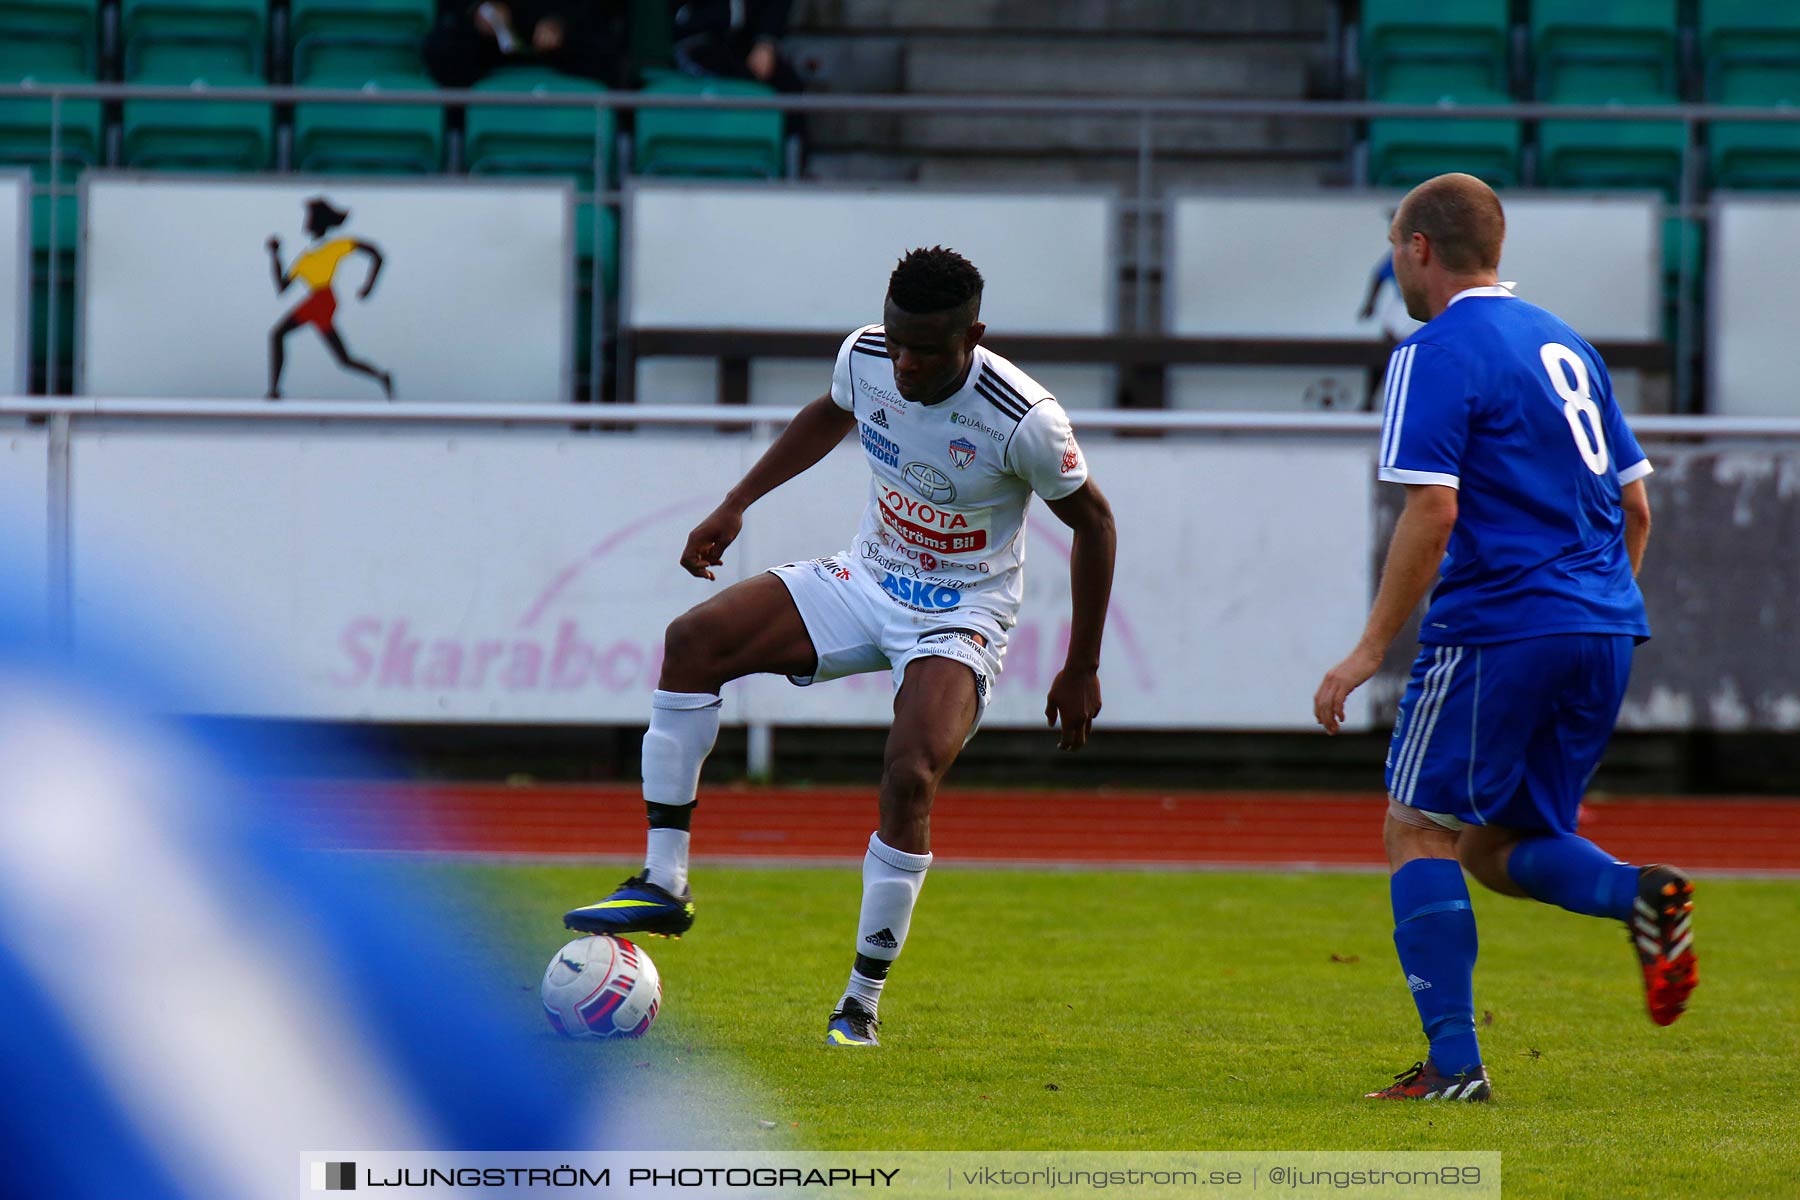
(933, 281)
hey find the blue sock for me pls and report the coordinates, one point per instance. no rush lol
(1573, 873)
(1434, 931)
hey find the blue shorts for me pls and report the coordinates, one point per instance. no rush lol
(1508, 733)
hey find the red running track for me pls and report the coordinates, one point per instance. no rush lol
(1164, 829)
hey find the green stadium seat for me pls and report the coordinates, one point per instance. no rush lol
(337, 38)
(1605, 51)
(1404, 152)
(1751, 56)
(1602, 155)
(1747, 155)
(369, 139)
(1746, 39)
(1443, 48)
(60, 36)
(538, 141)
(1617, 53)
(197, 38)
(199, 135)
(741, 144)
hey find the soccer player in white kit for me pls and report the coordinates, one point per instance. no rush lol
(957, 440)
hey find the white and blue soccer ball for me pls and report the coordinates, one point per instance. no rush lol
(601, 987)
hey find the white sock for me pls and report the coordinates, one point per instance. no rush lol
(864, 990)
(665, 861)
(891, 882)
(683, 727)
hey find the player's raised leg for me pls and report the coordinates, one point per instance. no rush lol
(1655, 902)
(748, 628)
(933, 712)
(1531, 848)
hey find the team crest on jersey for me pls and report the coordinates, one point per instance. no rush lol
(962, 453)
(880, 418)
(1071, 454)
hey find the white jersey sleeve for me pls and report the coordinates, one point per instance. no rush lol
(843, 390)
(1043, 452)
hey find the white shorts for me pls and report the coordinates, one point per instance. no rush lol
(856, 627)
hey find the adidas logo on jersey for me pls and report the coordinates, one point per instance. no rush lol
(880, 418)
(1416, 984)
(885, 939)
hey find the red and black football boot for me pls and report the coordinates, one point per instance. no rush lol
(1421, 1081)
(1662, 933)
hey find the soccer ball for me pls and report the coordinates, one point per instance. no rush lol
(601, 987)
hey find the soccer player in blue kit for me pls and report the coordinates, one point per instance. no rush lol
(1525, 501)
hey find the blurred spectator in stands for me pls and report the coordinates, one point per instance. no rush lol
(736, 39)
(576, 37)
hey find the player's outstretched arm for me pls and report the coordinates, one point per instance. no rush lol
(1075, 692)
(1634, 497)
(1413, 558)
(809, 437)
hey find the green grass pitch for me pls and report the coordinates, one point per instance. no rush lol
(1190, 1011)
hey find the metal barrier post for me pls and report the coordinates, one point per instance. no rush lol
(1687, 398)
(59, 597)
(596, 331)
(50, 330)
(1141, 271)
(759, 751)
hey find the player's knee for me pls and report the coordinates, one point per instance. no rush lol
(1486, 861)
(1406, 841)
(909, 781)
(691, 647)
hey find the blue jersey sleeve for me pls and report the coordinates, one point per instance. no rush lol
(1426, 419)
(1628, 457)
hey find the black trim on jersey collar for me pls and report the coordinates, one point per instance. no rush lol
(1005, 388)
(859, 348)
(990, 388)
(1006, 407)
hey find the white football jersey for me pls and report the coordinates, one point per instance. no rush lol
(945, 524)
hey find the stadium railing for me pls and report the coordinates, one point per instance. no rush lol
(64, 416)
(1143, 359)
(1140, 206)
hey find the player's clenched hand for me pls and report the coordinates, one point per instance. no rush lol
(706, 544)
(1075, 699)
(1339, 682)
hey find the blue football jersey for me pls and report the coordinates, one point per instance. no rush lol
(1504, 402)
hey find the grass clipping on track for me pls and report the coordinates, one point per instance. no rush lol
(1192, 1011)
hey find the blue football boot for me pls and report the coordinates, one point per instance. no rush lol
(637, 906)
(851, 1025)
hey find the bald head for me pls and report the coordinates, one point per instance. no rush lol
(1446, 236)
(1461, 216)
